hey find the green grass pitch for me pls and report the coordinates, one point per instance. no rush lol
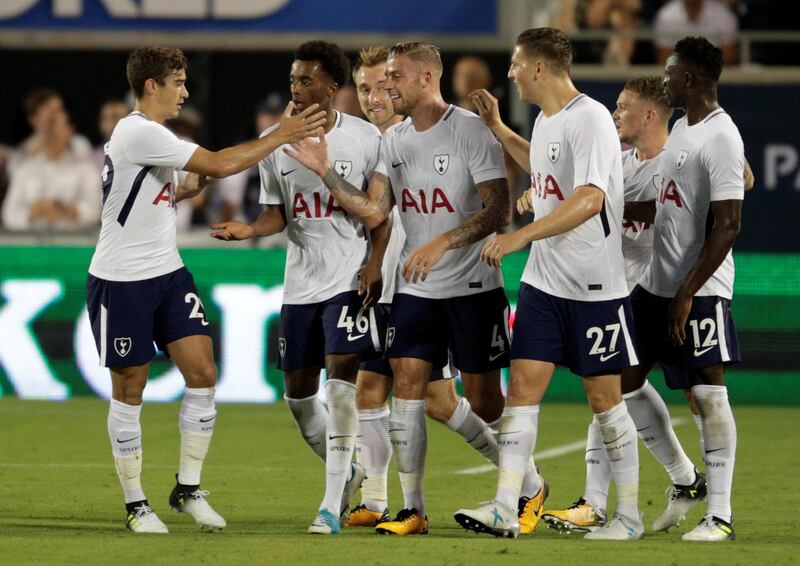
(60, 501)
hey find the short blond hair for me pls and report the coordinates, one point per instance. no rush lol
(370, 57)
(426, 53)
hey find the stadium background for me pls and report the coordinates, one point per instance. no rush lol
(79, 48)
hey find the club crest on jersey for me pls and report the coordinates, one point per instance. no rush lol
(441, 162)
(282, 347)
(682, 158)
(389, 336)
(343, 167)
(122, 346)
(553, 151)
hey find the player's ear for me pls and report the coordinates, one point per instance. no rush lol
(150, 85)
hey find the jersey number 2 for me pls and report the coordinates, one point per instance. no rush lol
(197, 306)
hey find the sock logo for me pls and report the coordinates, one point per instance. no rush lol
(122, 346)
(208, 420)
(127, 440)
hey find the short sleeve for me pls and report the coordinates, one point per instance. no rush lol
(372, 151)
(723, 156)
(270, 188)
(595, 147)
(484, 154)
(380, 165)
(151, 144)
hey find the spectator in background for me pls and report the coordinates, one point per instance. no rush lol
(470, 73)
(187, 126)
(346, 100)
(236, 197)
(111, 112)
(53, 189)
(618, 15)
(44, 107)
(711, 19)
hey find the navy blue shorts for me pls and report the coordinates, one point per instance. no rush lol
(588, 337)
(710, 333)
(473, 328)
(129, 316)
(340, 325)
(381, 365)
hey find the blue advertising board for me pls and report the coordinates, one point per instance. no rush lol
(336, 16)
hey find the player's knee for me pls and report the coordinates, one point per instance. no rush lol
(440, 407)
(603, 400)
(202, 376)
(489, 408)
(344, 367)
(369, 396)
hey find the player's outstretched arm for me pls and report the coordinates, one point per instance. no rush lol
(517, 147)
(370, 284)
(495, 214)
(371, 208)
(580, 206)
(727, 223)
(270, 221)
(234, 159)
(192, 186)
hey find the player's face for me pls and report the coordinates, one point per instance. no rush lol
(629, 117)
(521, 72)
(309, 84)
(403, 83)
(372, 95)
(172, 94)
(674, 84)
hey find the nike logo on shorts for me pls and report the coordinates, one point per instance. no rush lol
(606, 357)
(698, 353)
(351, 338)
(493, 357)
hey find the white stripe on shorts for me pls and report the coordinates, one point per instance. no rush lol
(373, 330)
(723, 344)
(103, 334)
(632, 359)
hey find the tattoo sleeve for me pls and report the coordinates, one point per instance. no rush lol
(371, 207)
(495, 214)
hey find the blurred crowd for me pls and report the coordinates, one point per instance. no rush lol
(51, 181)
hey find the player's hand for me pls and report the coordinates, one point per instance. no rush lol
(370, 284)
(421, 261)
(295, 127)
(677, 315)
(313, 155)
(525, 202)
(502, 245)
(488, 109)
(231, 231)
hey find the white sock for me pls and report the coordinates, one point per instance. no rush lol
(196, 422)
(311, 418)
(476, 432)
(598, 469)
(125, 434)
(619, 437)
(374, 452)
(719, 435)
(341, 439)
(651, 417)
(517, 441)
(410, 443)
(698, 420)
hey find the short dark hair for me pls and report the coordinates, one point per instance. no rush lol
(370, 57)
(651, 89)
(701, 55)
(551, 44)
(155, 63)
(37, 98)
(333, 60)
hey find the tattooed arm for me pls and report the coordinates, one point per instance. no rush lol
(495, 214)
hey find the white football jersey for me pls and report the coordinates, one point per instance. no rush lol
(574, 147)
(701, 164)
(640, 178)
(327, 247)
(391, 258)
(137, 236)
(434, 174)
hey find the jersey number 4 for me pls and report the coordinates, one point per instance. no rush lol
(361, 322)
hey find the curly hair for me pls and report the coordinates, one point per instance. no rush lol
(333, 60)
(701, 55)
(153, 63)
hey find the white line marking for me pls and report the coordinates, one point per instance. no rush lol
(110, 466)
(549, 454)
